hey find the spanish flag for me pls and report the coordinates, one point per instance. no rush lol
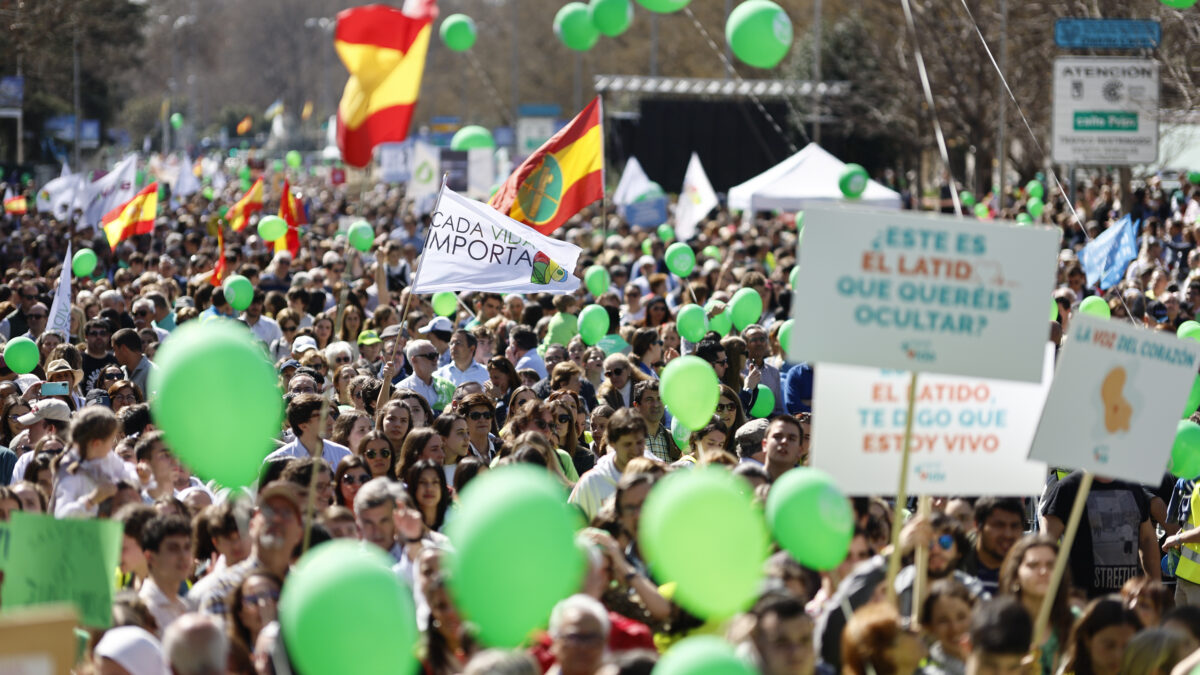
(560, 178)
(238, 215)
(218, 273)
(16, 205)
(384, 50)
(291, 211)
(135, 216)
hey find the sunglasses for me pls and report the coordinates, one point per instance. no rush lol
(284, 328)
(615, 372)
(726, 407)
(142, 313)
(477, 415)
(431, 357)
(259, 598)
(351, 480)
(564, 419)
(97, 333)
(944, 542)
(372, 454)
(341, 360)
(541, 424)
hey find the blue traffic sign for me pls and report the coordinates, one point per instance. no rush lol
(1107, 33)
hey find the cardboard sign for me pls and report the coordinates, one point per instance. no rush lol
(1116, 400)
(52, 561)
(927, 293)
(38, 641)
(970, 435)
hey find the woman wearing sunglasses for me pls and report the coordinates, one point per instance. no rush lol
(289, 322)
(352, 474)
(729, 411)
(377, 453)
(543, 418)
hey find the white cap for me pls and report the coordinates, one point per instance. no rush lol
(133, 649)
(303, 344)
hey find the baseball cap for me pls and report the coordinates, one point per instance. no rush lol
(46, 409)
(644, 260)
(98, 397)
(290, 363)
(751, 433)
(303, 344)
(439, 325)
(390, 332)
(283, 490)
(134, 649)
(184, 301)
(369, 337)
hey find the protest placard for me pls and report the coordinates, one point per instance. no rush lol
(1116, 400)
(66, 560)
(970, 435)
(924, 293)
(38, 641)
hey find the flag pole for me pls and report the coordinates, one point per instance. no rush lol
(1060, 561)
(901, 494)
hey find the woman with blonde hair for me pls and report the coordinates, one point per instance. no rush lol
(1156, 652)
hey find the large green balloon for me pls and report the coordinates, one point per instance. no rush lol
(746, 307)
(238, 291)
(853, 181)
(681, 259)
(611, 17)
(1185, 451)
(1035, 190)
(271, 228)
(1035, 206)
(573, 25)
(722, 322)
(329, 594)
(445, 303)
(83, 263)
(793, 276)
(714, 577)
(759, 32)
(1193, 401)
(597, 280)
(21, 355)
(593, 324)
(764, 404)
(218, 401)
(691, 322)
(458, 32)
(1095, 306)
(1193, 177)
(472, 137)
(293, 159)
(785, 336)
(361, 235)
(702, 655)
(690, 390)
(664, 6)
(810, 518)
(518, 515)
(1189, 330)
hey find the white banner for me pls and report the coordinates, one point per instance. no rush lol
(1116, 400)
(426, 175)
(633, 184)
(186, 183)
(472, 247)
(59, 195)
(60, 310)
(696, 199)
(115, 188)
(970, 436)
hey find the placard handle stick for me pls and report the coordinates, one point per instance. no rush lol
(1060, 562)
(311, 503)
(920, 582)
(901, 494)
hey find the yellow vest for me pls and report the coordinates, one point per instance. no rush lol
(1189, 554)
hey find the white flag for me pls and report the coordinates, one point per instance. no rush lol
(473, 247)
(60, 309)
(66, 171)
(59, 195)
(186, 182)
(115, 188)
(633, 184)
(696, 199)
(426, 175)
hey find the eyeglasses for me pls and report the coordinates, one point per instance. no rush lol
(259, 598)
(721, 362)
(726, 407)
(480, 415)
(351, 480)
(614, 372)
(943, 542)
(431, 357)
(383, 452)
(564, 419)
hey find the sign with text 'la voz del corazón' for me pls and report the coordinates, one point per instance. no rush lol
(921, 292)
(970, 435)
(1116, 399)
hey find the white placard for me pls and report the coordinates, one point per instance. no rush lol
(921, 292)
(1105, 110)
(970, 436)
(1116, 400)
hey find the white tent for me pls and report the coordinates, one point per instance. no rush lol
(808, 176)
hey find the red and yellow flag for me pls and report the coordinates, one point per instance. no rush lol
(238, 215)
(291, 211)
(245, 125)
(384, 50)
(559, 178)
(16, 205)
(218, 275)
(135, 216)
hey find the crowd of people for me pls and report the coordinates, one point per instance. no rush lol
(392, 410)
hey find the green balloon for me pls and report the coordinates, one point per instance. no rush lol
(722, 322)
(691, 322)
(1053, 309)
(712, 251)
(83, 263)
(207, 193)
(1095, 306)
(176, 121)
(597, 280)
(277, 166)
(1185, 451)
(326, 596)
(1189, 330)
(664, 6)
(238, 291)
(445, 303)
(1035, 206)
(666, 233)
(271, 228)
(611, 17)
(810, 518)
(21, 355)
(746, 307)
(218, 400)
(458, 32)
(680, 434)
(293, 159)
(1193, 177)
(1193, 401)
(793, 276)
(690, 390)
(764, 403)
(520, 515)
(472, 137)
(1035, 190)
(853, 181)
(785, 335)
(593, 324)
(361, 235)
(759, 32)
(702, 655)
(678, 520)
(647, 246)
(244, 172)
(1024, 219)
(982, 212)
(967, 199)
(681, 259)
(573, 26)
